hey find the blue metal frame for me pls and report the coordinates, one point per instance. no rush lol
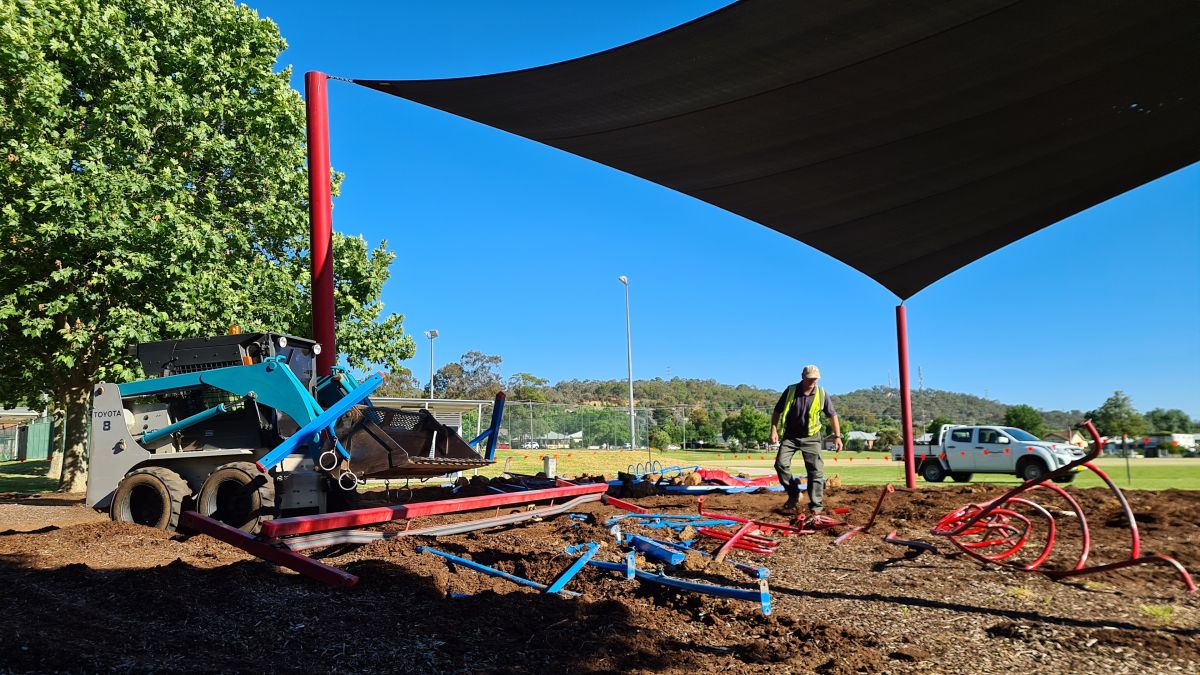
(272, 383)
(310, 432)
(471, 564)
(492, 433)
(571, 571)
(654, 550)
(761, 596)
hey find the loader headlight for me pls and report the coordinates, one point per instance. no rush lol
(317, 348)
(282, 341)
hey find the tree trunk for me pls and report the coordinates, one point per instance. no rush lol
(57, 416)
(78, 397)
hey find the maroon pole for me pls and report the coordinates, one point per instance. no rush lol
(906, 426)
(320, 218)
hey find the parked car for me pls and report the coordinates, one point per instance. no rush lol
(531, 445)
(962, 451)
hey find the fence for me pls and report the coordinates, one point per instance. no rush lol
(27, 442)
(554, 425)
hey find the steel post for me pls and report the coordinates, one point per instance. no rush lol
(320, 215)
(906, 423)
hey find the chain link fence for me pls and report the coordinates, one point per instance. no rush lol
(533, 425)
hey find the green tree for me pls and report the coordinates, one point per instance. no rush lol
(887, 437)
(749, 426)
(1169, 421)
(527, 387)
(1117, 417)
(401, 383)
(474, 376)
(936, 424)
(702, 427)
(1027, 418)
(659, 438)
(153, 186)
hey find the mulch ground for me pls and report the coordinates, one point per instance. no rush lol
(81, 593)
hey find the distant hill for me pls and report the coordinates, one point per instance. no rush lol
(869, 409)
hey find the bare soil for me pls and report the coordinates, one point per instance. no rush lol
(81, 593)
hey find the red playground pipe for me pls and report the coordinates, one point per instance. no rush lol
(994, 531)
(320, 215)
(284, 527)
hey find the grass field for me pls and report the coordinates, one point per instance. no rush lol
(25, 477)
(855, 468)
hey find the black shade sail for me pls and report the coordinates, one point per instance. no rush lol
(906, 139)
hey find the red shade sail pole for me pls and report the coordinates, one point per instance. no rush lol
(906, 426)
(320, 217)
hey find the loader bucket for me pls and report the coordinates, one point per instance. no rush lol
(391, 443)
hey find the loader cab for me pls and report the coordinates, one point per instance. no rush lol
(191, 355)
(251, 425)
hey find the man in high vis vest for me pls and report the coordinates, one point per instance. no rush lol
(800, 409)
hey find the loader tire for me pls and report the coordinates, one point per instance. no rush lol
(150, 496)
(239, 495)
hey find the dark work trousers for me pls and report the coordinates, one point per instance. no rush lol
(810, 450)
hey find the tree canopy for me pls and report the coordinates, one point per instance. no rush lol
(1116, 417)
(153, 186)
(1170, 421)
(1027, 418)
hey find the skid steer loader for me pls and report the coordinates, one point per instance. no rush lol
(240, 428)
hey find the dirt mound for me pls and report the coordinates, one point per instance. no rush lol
(113, 596)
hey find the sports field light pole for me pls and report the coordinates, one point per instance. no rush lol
(629, 353)
(431, 334)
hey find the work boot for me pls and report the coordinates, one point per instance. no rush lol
(792, 503)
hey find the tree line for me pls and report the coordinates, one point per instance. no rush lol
(698, 411)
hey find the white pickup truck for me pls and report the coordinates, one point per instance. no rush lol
(961, 451)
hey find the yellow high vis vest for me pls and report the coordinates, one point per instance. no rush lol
(814, 410)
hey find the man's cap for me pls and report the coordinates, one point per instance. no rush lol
(811, 373)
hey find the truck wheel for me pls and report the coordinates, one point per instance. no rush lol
(933, 472)
(1032, 470)
(150, 496)
(239, 495)
(961, 476)
(1069, 478)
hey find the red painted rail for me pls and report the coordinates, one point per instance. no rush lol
(313, 569)
(283, 527)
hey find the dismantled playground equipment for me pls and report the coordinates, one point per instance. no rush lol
(241, 428)
(997, 531)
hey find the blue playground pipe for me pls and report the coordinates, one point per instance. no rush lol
(654, 550)
(571, 571)
(492, 433)
(478, 567)
(761, 596)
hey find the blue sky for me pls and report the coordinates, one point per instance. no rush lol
(512, 248)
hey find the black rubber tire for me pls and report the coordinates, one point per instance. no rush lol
(1031, 469)
(933, 472)
(239, 495)
(1069, 478)
(150, 496)
(961, 476)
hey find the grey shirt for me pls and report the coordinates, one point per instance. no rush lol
(796, 424)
